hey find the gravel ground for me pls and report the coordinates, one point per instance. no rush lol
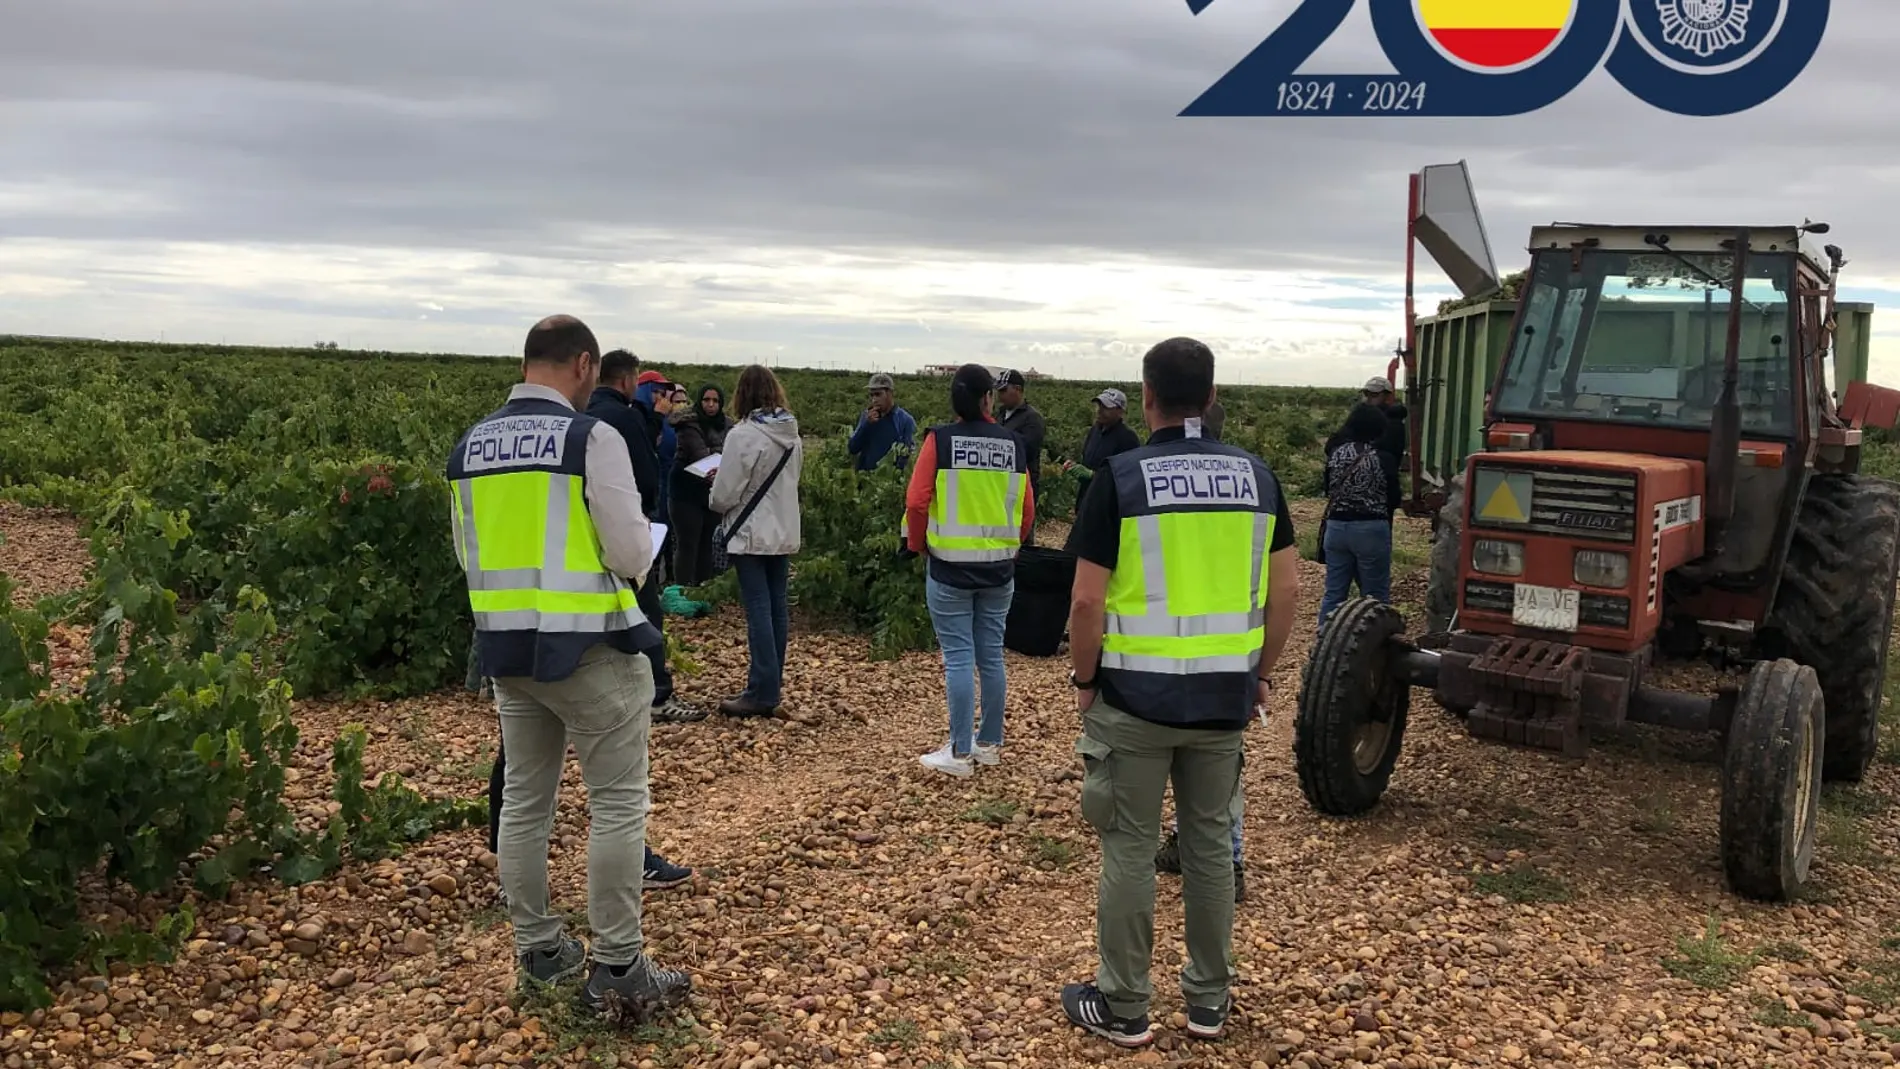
(1500, 908)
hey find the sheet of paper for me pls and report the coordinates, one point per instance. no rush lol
(704, 466)
(659, 535)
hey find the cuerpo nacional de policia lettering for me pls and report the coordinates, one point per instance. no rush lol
(513, 439)
(1206, 479)
(992, 454)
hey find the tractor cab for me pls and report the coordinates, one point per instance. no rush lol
(1593, 497)
(1664, 469)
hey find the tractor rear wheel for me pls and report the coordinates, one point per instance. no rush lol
(1834, 608)
(1352, 712)
(1441, 589)
(1771, 781)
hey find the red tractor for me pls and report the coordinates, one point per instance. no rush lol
(1665, 471)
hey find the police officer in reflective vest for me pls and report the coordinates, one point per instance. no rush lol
(1186, 588)
(549, 529)
(970, 506)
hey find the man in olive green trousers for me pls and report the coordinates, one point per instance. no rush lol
(1186, 587)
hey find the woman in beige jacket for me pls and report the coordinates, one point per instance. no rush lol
(763, 434)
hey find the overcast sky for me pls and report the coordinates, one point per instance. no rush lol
(854, 183)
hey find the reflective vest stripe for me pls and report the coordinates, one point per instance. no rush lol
(1182, 666)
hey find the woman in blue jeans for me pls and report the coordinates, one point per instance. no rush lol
(970, 508)
(1361, 482)
(761, 543)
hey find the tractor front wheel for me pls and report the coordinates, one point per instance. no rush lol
(1352, 712)
(1771, 781)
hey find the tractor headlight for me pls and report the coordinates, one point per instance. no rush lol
(1596, 567)
(1494, 556)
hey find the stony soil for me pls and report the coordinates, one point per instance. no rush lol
(1500, 908)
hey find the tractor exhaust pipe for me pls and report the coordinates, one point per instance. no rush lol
(1725, 437)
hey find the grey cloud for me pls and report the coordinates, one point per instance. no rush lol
(610, 133)
(1018, 129)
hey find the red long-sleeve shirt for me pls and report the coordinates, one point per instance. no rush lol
(923, 487)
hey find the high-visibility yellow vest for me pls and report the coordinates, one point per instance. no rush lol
(536, 584)
(976, 510)
(1186, 604)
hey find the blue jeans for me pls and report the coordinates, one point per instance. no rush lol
(1356, 550)
(970, 629)
(768, 623)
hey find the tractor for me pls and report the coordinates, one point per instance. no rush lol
(1665, 474)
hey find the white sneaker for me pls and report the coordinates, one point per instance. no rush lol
(987, 754)
(945, 761)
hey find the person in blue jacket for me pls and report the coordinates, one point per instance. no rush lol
(883, 427)
(650, 383)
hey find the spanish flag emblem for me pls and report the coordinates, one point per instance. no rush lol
(1494, 34)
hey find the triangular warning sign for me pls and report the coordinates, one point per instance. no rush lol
(1503, 505)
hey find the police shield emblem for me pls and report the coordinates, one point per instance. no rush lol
(1704, 28)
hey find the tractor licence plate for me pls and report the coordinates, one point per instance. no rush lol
(1545, 608)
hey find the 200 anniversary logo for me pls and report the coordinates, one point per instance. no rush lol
(1511, 57)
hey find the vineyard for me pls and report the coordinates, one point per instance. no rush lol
(238, 774)
(267, 524)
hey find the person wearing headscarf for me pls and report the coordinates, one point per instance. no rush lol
(700, 431)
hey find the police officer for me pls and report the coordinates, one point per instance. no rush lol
(549, 529)
(1186, 588)
(969, 506)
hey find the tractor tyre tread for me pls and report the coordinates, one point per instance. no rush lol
(1764, 851)
(1334, 700)
(1834, 609)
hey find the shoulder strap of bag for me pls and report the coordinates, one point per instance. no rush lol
(746, 513)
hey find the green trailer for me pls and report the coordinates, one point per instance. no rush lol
(1457, 359)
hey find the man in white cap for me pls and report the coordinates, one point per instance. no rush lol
(1108, 436)
(883, 428)
(1378, 391)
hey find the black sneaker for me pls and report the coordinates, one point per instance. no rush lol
(663, 875)
(553, 965)
(1240, 882)
(674, 711)
(637, 991)
(1088, 1009)
(1168, 858)
(1207, 1022)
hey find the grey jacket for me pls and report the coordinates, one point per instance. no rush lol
(752, 449)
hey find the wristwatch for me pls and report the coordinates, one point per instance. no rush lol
(1079, 684)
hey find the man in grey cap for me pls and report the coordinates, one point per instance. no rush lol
(1378, 391)
(883, 427)
(1108, 436)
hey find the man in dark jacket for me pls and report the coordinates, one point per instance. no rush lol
(1019, 417)
(1378, 391)
(615, 403)
(1109, 436)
